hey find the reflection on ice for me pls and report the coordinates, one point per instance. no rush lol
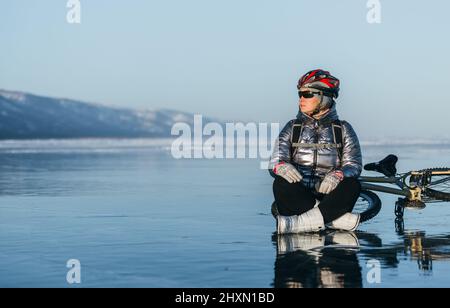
(335, 259)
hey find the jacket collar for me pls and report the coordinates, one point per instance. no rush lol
(327, 118)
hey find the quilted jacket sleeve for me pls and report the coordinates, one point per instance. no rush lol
(282, 147)
(352, 157)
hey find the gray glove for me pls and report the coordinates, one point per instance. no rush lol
(331, 181)
(288, 172)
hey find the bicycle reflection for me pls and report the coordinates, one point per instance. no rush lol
(335, 259)
(414, 243)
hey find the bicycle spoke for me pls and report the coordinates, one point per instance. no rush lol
(436, 184)
(440, 183)
(446, 179)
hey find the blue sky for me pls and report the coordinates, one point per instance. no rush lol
(237, 60)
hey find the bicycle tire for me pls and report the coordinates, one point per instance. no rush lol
(436, 193)
(367, 206)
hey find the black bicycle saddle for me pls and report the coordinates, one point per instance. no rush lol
(385, 166)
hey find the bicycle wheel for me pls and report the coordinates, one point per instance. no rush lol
(367, 206)
(436, 183)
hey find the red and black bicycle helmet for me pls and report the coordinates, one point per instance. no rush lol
(320, 80)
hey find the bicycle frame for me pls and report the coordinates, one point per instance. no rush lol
(406, 191)
(413, 194)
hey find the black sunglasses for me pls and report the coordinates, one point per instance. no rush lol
(310, 94)
(307, 94)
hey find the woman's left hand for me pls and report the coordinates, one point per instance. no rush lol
(331, 181)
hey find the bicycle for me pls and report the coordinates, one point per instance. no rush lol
(416, 188)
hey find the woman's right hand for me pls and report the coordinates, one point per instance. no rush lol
(288, 172)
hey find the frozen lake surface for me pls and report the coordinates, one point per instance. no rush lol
(135, 217)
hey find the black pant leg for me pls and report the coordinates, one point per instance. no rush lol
(341, 200)
(292, 199)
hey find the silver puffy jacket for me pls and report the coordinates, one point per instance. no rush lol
(314, 162)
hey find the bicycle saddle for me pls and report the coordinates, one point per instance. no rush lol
(385, 166)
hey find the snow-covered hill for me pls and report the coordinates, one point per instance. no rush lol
(27, 116)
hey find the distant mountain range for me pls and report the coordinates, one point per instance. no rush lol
(28, 116)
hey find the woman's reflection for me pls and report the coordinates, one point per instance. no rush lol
(317, 260)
